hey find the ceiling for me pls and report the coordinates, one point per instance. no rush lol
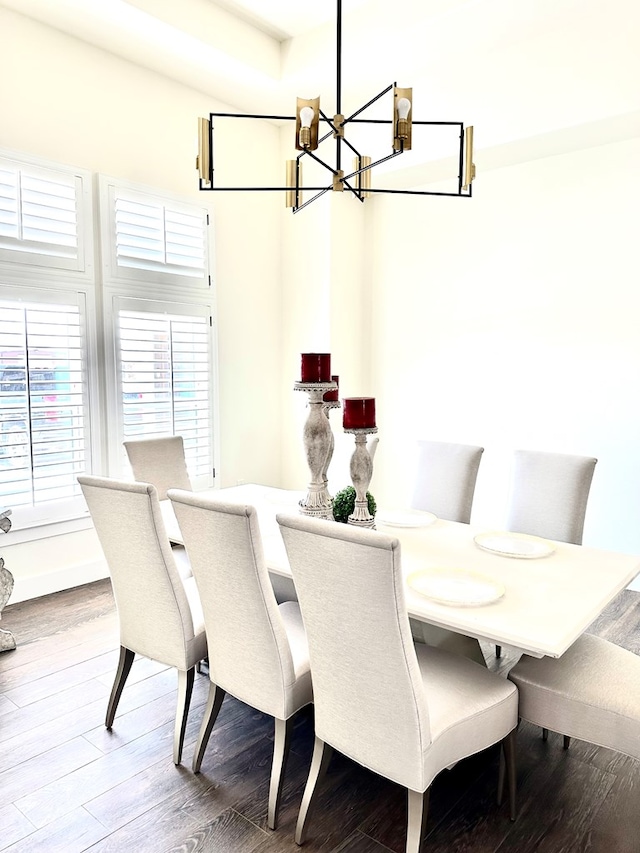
(283, 19)
(516, 70)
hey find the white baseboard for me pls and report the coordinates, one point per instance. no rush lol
(37, 585)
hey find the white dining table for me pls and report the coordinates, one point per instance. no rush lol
(548, 601)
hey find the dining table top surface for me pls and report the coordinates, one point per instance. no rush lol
(537, 604)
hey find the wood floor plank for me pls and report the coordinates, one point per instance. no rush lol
(160, 826)
(130, 725)
(30, 717)
(104, 630)
(49, 685)
(241, 764)
(6, 706)
(616, 824)
(72, 833)
(137, 715)
(57, 612)
(15, 825)
(49, 661)
(53, 800)
(359, 843)
(142, 668)
(46, 769)
(559, 818)
(229, 832)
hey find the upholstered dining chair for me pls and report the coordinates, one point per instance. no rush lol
(161, 461)
(159, 612)
(403, 711)
(446, 479)
(257, 648)
(549, 494)
(445, 485)
(592, 693)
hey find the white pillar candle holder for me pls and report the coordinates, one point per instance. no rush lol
(361, 469)
(327, 405)
(318, 443)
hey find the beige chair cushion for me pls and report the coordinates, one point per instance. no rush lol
(592, 693)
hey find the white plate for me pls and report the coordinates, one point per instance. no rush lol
(456, 587)
(519, 545)
(405, 518)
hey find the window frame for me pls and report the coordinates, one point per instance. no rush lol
(97, 286)
(173, 294)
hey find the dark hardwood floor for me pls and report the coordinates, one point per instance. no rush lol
(68, 785)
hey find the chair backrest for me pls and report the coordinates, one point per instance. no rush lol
(153, 609)
(159, 461)
(368, 695)
(249, 654)
(549, 493)
(446, 479)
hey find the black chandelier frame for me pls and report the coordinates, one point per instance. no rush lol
(337, 132)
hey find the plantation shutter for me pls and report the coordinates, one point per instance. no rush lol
(165, 382)
(40, 212)
(43, 390)
(155, 240)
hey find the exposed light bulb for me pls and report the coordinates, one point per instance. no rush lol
(306, 117)
(404, 105)
(402, 108)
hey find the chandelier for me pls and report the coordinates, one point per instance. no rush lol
(310, 120)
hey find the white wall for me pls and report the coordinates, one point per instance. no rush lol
(512, 323)
(71, 103)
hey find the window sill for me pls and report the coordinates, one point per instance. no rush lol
(45, 530)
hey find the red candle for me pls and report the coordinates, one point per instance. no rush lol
(359, 413)
(316, 367)
(332, 396)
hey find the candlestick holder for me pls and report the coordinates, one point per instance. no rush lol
(361, 469)
(327, 405)
(318, 443)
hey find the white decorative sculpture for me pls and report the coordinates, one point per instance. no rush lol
(7, 640)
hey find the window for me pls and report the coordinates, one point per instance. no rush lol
(43, 390)
(42, 215)
(158, 311)
(164, 368)
(153, 239)
(151, 360)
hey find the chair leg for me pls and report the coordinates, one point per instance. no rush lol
(280, 755)
(124, 668)
(498, 651)
(322, 753)
(545, 734)
(214, 703)
(185, 688)
(567, 741)
(508, 764)
(417, 811)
